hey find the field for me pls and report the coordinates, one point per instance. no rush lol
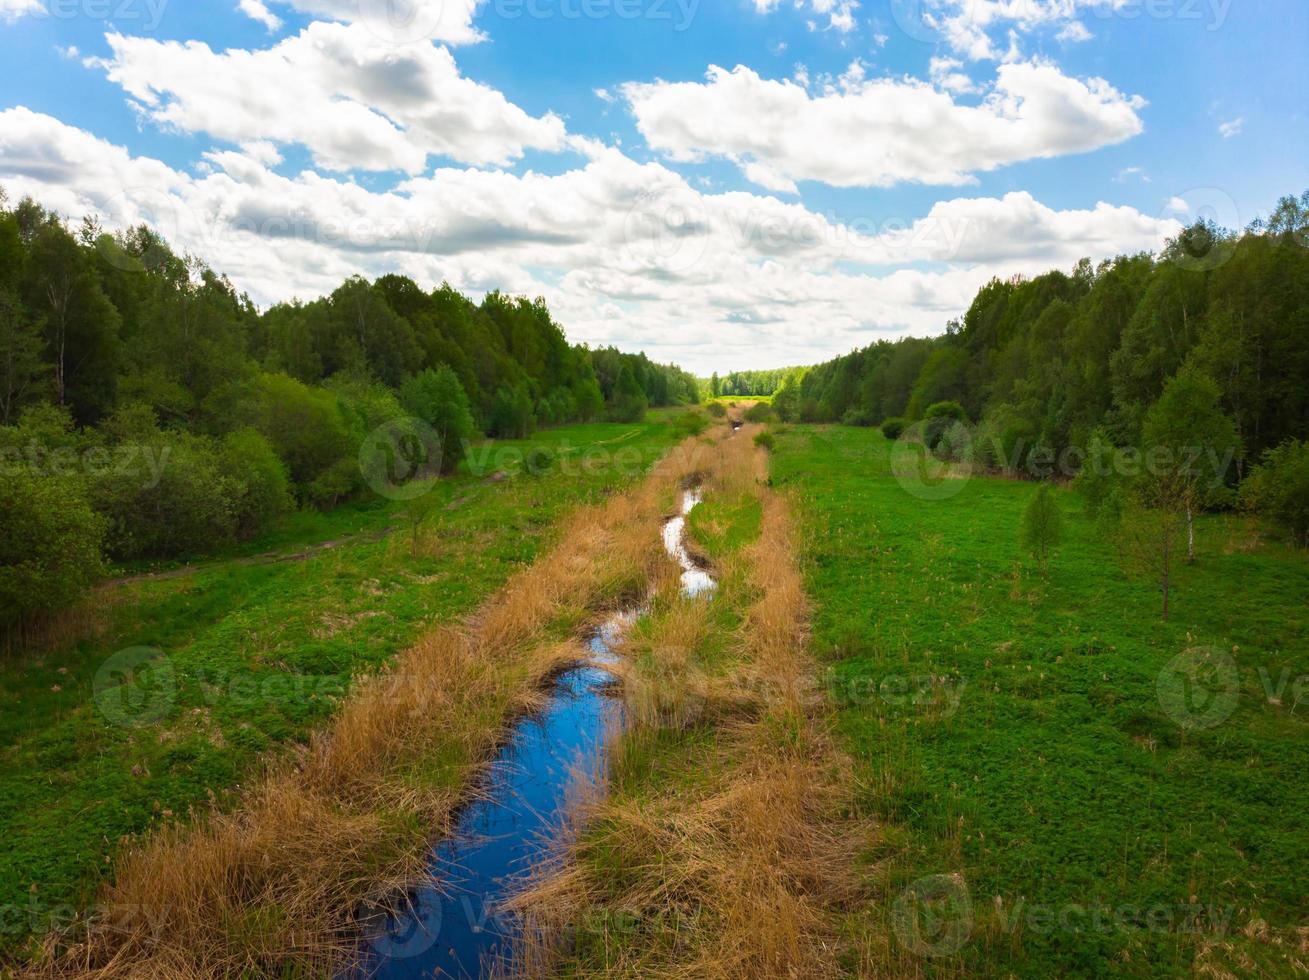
(247, 653)
(1044, 809)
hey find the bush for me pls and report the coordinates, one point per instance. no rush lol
(1278, 489)
(261, 487)
(893, 428)
(760, 412)
(939, 419)
(309, 430)
(174, 499)
(716, 409)
(511, 414)
(437, 397)
(765, 440)
(690, 423)
(857, 415)
(50, 542)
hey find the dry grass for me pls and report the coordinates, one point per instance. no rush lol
(344, 824)
(729, 849)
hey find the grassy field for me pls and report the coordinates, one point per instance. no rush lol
(1044, 812)
(252, 650)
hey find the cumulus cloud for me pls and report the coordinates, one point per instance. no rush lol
(839, 14)
(974, 28)
(355, 101)
(889, 131)
(624, 252)
(257, 10)
(11, 10)
(401, 21)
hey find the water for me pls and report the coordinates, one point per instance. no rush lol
(506, 831)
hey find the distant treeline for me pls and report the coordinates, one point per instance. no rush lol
(150, 410)
(1044, 362)
(747, 383)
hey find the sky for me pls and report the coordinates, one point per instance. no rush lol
(724, 184)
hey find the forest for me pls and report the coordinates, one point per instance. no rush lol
(149, 411)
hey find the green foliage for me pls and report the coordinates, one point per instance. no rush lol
(436, 397)
(759, 412)
(893, 427)
(858, 415)
(717, 409)
(939, 420)
(1278, 489)
(765, 440)
(511, 414)
(1041, 526)
(260, 484)
(309, 430)
(690, 423)
(630, 401)
(49, 544)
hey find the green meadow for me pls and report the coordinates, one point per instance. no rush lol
(244, 654)
(1054, 799)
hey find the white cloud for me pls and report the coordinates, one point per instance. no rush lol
(1231, 128)
(1130, 173)
(969, 27)
(257, 10)
(11, 10)
(839, 13)
(401, 21)
(1177, 205)
(947, 74)
(354, 101)
(624, 252)
(881, 132)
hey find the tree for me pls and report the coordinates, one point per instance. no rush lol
(20, 357)
(630, 402)
(437, 397)
(1278, 489)
(1041, 526)
(1189, 445)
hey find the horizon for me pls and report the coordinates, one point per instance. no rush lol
(729, 187)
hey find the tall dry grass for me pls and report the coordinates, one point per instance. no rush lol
(731, 852)
(343, 824)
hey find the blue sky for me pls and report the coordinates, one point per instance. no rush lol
(578, 149)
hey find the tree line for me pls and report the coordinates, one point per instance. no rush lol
(149, 410)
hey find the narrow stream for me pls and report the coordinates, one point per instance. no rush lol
(506, 831)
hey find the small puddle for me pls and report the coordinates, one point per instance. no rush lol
(507, 829)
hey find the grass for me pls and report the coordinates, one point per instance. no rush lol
(1043, 813)
(262, 653)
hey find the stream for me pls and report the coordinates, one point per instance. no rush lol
(509, 827)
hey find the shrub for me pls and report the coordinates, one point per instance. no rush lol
(1278, 489)
(511, 414)
(1041, 525)
(939, 419)
(173, 499)
(716, 409)
(309, 430)
(437, 397)
(759, 412)
(893, 428)
(261, 487)
(690, 423)
(857, 415)
(765, 440)
(50, 542)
